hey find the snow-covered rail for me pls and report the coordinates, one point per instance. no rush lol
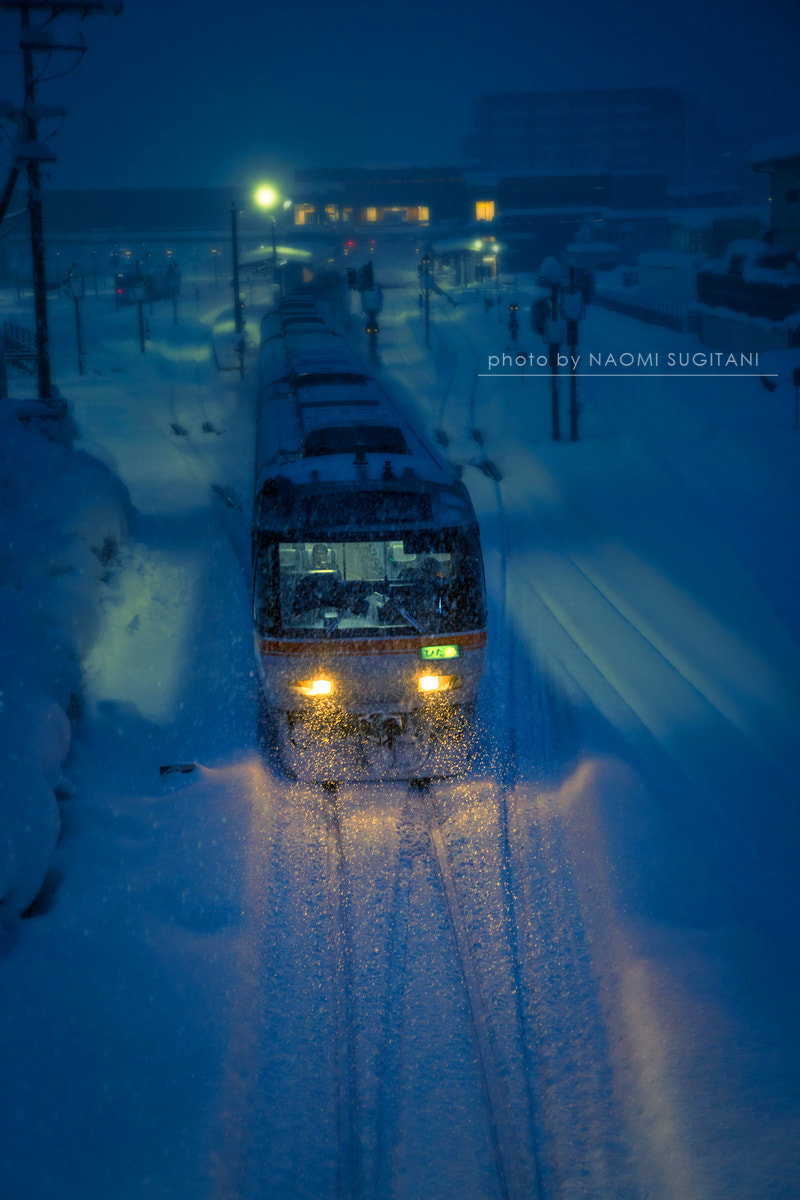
(519, 1179)
(576, 1122)
(374, 1052)
(344, 1002)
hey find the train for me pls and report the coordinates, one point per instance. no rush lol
(369, 601)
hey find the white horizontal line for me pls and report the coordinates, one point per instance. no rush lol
(623, 375)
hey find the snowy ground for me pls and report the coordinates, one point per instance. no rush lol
(624, 849)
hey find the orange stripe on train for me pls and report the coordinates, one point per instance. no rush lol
(405, 645)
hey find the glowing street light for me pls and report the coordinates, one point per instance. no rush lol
(266, 196)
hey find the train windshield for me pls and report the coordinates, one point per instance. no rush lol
(426, 583)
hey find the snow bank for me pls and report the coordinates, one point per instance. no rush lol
(62, 516)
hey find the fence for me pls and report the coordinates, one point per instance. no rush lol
(19, 343)
(680, 317)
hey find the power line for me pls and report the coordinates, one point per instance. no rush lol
(31, 154)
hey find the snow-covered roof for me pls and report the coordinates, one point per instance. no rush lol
(776, 150)
(500, 174)
(670, 258)
(589, 248)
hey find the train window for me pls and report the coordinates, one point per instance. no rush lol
(431, 583)
(370, 509)
(344, 439)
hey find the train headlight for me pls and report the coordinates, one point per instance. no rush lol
(438, 683)
(314, 687)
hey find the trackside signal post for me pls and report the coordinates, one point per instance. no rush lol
(30, 154)
(77, 289)
(362, 280)
(513, 321)
(557, 320)
(574, 310)
(426, 284)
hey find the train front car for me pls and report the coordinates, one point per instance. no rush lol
(368, 596)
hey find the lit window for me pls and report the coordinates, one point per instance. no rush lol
(371, 214)
(484, 210)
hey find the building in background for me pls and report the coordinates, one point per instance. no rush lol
(780, 159)
(379, 196)
(607, 130)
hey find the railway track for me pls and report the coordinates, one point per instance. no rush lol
(576, 1124)
(579, 1126)
(370, 1125)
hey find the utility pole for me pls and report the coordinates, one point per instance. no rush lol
(34, 173)
(31, 154)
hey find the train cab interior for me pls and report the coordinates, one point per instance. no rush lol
(426, 584)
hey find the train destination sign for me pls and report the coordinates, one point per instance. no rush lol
(429, 653)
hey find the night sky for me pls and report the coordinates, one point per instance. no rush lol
(186, 92)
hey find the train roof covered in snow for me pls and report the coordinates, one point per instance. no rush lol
(326, 422)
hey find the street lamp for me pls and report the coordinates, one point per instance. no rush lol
(495, 250)
(238, 320)
(267, 197)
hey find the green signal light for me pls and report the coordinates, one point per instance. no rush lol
(436, 653)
